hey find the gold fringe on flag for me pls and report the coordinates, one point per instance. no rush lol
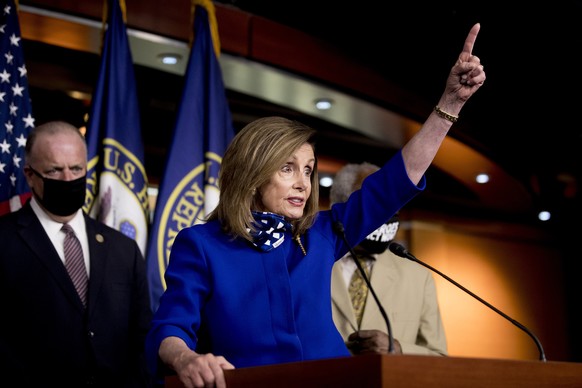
(211, 19)
(104, 17)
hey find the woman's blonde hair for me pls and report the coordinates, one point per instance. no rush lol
(251, 159)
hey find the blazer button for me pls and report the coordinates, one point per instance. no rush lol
(91, 334)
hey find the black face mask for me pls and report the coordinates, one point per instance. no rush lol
(62, 198)
(378, 241)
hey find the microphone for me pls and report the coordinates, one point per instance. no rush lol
(399, 250)
(339, 229)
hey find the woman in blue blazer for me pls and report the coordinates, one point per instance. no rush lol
(251, 286)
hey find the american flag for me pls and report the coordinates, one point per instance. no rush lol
(16, 118)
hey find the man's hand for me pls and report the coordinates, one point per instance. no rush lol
(371, 341)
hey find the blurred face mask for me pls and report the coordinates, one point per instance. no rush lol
(378, 240)
(62, 198)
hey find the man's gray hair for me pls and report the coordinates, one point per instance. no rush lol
(349, 179)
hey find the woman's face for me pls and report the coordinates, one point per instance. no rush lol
(290, 187)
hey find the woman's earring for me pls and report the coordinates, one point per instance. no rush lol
(254, 191)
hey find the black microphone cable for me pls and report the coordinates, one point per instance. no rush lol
(339, 229)
(399, 250)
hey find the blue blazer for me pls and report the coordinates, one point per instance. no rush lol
(46, 334)
(257, 308)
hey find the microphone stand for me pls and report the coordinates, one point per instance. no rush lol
(403, 252)
(339, 228)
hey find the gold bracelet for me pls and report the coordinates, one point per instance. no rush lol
(445, 115)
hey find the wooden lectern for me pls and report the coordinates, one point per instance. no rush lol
(395, 371)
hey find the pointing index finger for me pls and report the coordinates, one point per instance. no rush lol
(470, 41)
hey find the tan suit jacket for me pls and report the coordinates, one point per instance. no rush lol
(407, 292)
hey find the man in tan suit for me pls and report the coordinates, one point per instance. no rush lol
(405, 289)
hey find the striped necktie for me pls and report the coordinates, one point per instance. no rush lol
(75, 263)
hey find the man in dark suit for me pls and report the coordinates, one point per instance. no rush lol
(51, 334)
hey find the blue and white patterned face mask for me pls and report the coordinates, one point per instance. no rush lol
(270, 230)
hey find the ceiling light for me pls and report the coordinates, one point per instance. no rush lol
(170, 59)
(326, 181)
(544, 215)
(482, 178)
(78, 95)
(323, 103)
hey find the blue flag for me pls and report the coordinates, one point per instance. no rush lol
(16, 118)
(189, 187)
(116, 177)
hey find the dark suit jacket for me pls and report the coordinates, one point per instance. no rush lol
(46, 337)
